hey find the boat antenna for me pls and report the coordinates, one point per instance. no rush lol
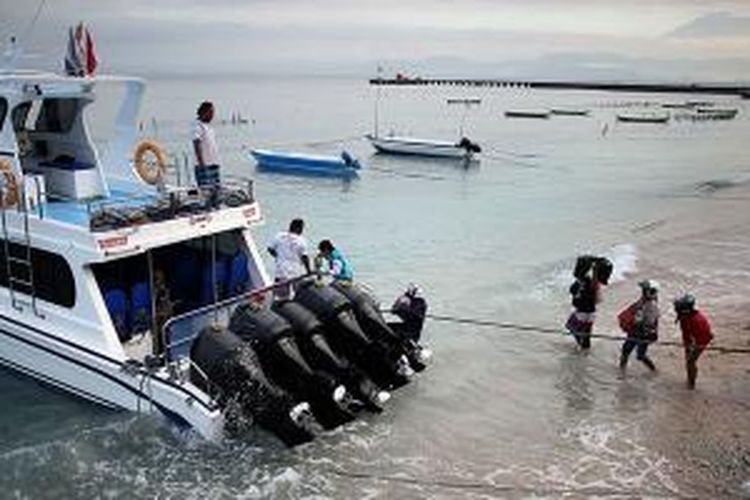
(377, 99)
(32, 24)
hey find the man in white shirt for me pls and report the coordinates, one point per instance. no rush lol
(290, 251)
(206, 150)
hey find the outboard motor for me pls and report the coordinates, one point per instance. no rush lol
(345, 333)
(309, 332)
(272, 338)
(469, 146)
(396, 347)
(233, 366)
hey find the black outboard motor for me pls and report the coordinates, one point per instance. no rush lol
(345, 334)
(469, 146)
(272, 338)
(233, 366)
(395, 347)
(309, 333)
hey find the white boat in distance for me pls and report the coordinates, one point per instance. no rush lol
(643, 117)
(424, 147)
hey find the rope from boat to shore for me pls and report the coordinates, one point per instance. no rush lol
(557, 331)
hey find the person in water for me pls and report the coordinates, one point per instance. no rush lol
(290, 251)
(590, 274)
(640, 321)
(207, 159)
(338, 267)
(411, 309)
(696, 334)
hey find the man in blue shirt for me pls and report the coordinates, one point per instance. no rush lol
(338, 266)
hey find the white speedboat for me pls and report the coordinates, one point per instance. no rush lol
(464, 148)
(133, 293)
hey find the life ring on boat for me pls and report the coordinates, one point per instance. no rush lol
(10, 185)
(150, 161)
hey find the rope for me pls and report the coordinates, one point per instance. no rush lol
(498, 488)
(34, 20)
(557, 331)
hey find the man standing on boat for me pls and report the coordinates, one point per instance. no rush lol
(206, 150)
(290, 249)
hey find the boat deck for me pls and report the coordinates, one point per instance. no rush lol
(78, 212)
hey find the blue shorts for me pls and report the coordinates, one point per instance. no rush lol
(207, 176)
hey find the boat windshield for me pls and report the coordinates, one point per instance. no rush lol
(143, 291)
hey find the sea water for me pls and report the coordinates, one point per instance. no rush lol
(500, 412)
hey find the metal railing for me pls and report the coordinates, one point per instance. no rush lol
(179, 332)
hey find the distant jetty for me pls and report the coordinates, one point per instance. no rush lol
(694, 88)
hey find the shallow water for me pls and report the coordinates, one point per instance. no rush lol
(501, 412)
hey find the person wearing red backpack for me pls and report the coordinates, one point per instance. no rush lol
(640, 321)
(696, 334)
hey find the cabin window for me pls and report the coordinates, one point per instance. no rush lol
(184, 276)
(57, 115)
(53, 278)
(3, 111)
(19, 114)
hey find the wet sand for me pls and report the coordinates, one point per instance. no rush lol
(703, 248)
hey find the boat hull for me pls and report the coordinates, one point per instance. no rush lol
(104, 380)
(642, 119)
(418, 147)
(292, 163)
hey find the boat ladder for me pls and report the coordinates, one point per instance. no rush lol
(19, 266)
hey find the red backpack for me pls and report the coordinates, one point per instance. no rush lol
(626, 318)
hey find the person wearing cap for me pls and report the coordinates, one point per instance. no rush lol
(696, 334)
(411, 309)
(640, 321)
(338, 267)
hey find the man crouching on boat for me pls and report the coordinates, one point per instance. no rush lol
(338, 267)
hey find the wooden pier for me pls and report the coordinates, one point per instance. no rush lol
(687, 88)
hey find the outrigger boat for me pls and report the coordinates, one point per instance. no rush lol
(138, 294)
(300, 163)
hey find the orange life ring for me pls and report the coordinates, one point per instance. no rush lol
(10, 189)
(150, 161)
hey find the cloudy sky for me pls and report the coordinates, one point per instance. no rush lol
(636, 39)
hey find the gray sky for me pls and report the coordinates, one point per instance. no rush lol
(653, 39)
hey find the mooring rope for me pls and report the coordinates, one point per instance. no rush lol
(550, 330)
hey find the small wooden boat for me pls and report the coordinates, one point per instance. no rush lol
(528, 113)
(643, 117)
(569, 112)
(306, 164)
(424, 147)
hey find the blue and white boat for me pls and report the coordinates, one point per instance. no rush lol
(82, 236)
(343, 165)
(143, 294)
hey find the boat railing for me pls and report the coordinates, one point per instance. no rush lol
(179, 332)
